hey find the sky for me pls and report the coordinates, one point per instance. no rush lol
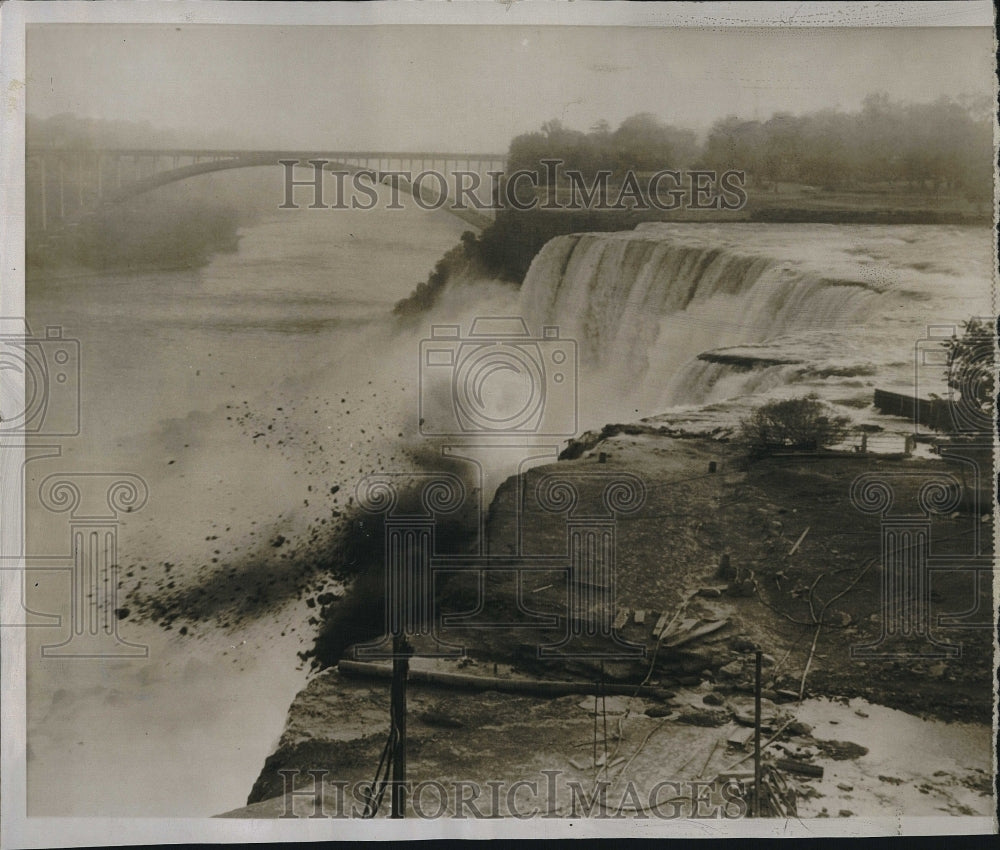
(469, 88)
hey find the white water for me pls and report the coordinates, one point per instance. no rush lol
(846, 304)
(243, 392)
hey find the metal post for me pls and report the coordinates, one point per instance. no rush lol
(756, 736)
(397, 699)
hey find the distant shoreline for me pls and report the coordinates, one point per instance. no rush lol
(170, 236)
(72, 270)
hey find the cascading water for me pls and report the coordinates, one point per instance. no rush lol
(669, 315)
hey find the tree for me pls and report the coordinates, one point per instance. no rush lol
(526, 151)
(783, 150)
(797, 422)
(829, 142)
(972, 371)
(642, 144)
(736, 144)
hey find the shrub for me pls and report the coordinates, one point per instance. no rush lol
(797, 422)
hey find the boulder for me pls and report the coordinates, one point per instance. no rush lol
(841, 750)
(742, 643)
(703, 717)
(732, 670)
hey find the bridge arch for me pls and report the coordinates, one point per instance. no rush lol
(207, 162)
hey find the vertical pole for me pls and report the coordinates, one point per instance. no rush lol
(400, 668)
(604, 714)
(595, 727)
(45, 222)
(756, 736)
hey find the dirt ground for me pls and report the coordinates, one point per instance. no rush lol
(779, 587)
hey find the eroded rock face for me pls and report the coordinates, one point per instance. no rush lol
(670, 550)
(340, 726)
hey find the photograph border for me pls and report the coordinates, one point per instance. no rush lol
(21, 831)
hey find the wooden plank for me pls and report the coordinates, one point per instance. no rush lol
(740, 738)
(660, 624)
(701, 631)
(743, 776)
(801, 767)
(678, 628)
(799, 541)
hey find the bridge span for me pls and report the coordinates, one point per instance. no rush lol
(63, 184)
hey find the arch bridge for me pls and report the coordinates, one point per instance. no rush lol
(64, 184)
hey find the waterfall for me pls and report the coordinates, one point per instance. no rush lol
(644, 304)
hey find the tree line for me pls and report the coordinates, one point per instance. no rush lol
(943, 145)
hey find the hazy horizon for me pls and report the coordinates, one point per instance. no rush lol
(477, 87)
